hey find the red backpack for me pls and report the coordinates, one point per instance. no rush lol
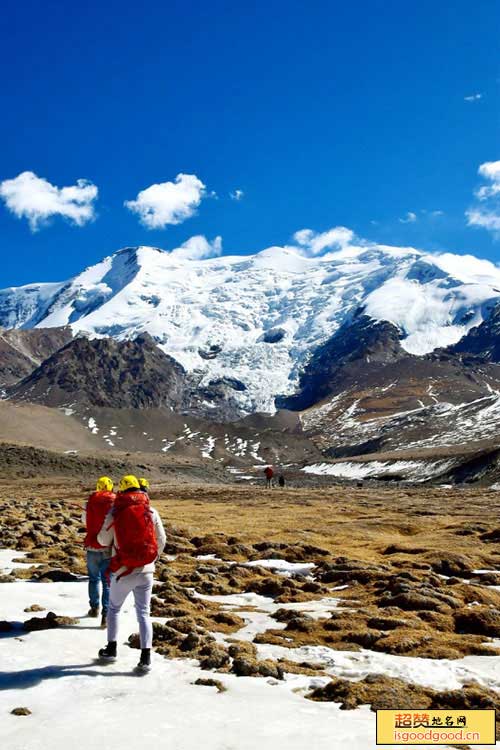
(98, 506)
(135, 538)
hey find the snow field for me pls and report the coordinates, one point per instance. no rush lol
(78, 702)
(417, 471)
(256, 318)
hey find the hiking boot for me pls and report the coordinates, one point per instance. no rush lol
(144, 662)
(93, 612)
(104, 621)
(109, 652)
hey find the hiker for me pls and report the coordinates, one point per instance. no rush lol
(269, 473)
(144, 485)
(137, 536)
(98, 556)
(281, 480)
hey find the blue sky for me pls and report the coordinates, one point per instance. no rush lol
(322, 113)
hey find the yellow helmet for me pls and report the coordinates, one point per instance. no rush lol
(104, 484)
(144, 484)
(129, 482)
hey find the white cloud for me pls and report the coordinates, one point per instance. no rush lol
(236, 195)
(473, 98)
(338, 242)
(409, 218)
(486, 212)
(490, 170)
(314, 243)
(198, 248)
(168, 202)
(34, 198)
(487, 219)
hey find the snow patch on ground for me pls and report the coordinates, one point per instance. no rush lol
(417, 471)
(440, 674)
(8, 558)
(283, 567)
(208, 447)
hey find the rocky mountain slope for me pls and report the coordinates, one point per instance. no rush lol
(106, 373)
(123, 374)
(361, 392)
(21, 351)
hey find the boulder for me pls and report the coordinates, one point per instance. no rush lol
(479, 621)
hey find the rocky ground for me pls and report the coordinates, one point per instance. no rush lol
(266, 584)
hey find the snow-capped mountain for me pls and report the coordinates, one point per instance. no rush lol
(257, 319)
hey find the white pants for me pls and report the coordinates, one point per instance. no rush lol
(141, 584)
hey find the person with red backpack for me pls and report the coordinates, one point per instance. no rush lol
(136, 533)
(98, 556)
(144, 485)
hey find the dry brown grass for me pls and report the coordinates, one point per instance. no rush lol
(357, 523)
(404, 554)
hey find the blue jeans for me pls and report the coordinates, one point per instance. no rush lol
(97, 566)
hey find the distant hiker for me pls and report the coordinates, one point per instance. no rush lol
(269, 474)
(281, 480)
(98, 556)
(137, 536)
(144, 485)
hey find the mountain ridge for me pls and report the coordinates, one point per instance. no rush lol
(258, 319)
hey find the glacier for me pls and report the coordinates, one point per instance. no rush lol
(257, 318)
